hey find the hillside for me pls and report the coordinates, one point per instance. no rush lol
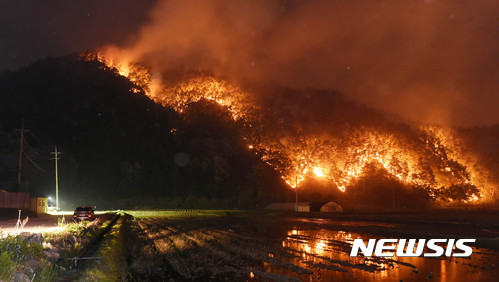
(133, 138)
(120, 148)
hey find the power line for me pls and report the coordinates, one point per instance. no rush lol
(39, 141)
(20, 155)
(29, 148)
(34, 163)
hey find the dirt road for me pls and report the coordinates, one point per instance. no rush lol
(41, 223)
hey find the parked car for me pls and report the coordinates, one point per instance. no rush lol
(84, 213)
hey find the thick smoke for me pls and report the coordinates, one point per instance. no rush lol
(431, 61)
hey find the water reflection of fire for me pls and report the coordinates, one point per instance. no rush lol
(326, 250)
(310, 246)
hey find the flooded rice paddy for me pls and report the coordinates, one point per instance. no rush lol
(285, 248)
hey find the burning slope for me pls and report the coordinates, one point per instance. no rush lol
(178, 96)
(423, 162)
(303, 143)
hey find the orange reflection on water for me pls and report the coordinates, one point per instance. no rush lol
(327, 254)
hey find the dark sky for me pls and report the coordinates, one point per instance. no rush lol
(427, 60)
(32, 30)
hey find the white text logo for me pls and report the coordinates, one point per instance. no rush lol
(409, 248)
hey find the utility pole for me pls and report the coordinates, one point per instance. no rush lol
(56, 157)
(296, 193)
(20, 155)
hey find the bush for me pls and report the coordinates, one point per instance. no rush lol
(19, 250)
(47, 272)
(7, 266)
(14, 252)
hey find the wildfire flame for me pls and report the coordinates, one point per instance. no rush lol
(433, 161)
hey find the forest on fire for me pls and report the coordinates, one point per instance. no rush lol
(123, 148)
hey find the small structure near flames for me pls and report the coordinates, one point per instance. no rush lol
(331, 207)
(301, 207)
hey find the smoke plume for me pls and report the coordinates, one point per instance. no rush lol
(430, 61)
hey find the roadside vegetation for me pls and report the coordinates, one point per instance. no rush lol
(21, 257)
(111, 264)
(47, 256)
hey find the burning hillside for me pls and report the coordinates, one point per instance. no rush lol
(312, 134)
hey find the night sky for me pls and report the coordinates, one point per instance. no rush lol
(33, 30)
(427, 60)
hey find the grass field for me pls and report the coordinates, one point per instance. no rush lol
(182, 213)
